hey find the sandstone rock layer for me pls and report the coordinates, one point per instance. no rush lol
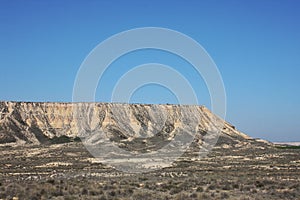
(36, 123)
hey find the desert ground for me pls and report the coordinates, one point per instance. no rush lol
(68, 171)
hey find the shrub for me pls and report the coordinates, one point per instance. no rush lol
(84, 191)
(259, 184)
(77, 139)
(199, 189)
(211, 187)
(194, 195)
(224, 195)
(61, 139)
(175, 190)
(235, 186)
(226, 187)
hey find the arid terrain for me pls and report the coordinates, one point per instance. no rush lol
(68, 171)
(38, 161)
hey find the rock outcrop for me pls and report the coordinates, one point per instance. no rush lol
(37, 123)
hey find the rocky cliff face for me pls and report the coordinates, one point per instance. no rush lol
(36, 123)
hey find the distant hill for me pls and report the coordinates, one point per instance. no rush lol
(288, 143)
(40, 123)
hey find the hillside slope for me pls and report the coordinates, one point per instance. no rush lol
(37, 123)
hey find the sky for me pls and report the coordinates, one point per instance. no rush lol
(255, 45)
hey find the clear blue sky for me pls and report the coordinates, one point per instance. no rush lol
(255, 44)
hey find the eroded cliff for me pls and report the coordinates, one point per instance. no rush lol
(36, 123)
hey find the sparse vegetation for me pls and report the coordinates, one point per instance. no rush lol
(288, 147)
(64, 139)
(65, 172)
